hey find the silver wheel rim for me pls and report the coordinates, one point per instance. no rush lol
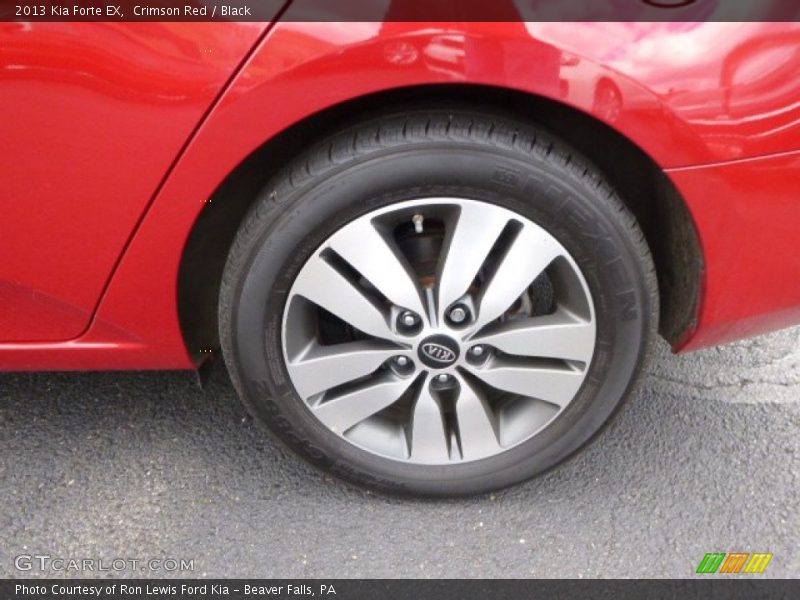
(438, 331)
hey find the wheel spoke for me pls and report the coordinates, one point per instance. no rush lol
(323, 285)
(345, 411)
(367, 251)
(477, 424)
(428, 434)
(470, 241)
(328, 366)
(560, 335)
(551, 384)
(532, 250)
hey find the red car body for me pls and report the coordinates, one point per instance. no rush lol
(117, 136)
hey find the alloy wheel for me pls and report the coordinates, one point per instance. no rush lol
(438, 330)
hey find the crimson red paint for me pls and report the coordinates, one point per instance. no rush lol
(114, 135)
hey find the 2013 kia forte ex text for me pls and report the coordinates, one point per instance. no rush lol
(433, 255)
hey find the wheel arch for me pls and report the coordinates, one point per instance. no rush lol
(657, 205)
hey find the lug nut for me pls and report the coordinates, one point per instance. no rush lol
(478, 354)
(402, 365)
(408, 319)
(443, 378)
(458, 314)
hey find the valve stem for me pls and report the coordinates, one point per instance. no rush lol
(417, 219)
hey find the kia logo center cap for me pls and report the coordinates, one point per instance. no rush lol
(438, 351)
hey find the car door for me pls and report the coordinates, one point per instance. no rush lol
(92, 116)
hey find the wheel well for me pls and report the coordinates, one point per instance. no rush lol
(651, 197)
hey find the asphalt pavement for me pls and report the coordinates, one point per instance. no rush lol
(137, 466)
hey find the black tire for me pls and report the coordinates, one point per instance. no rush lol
(458, 153)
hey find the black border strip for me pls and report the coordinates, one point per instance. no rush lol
(400, 10)
(707, 587)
